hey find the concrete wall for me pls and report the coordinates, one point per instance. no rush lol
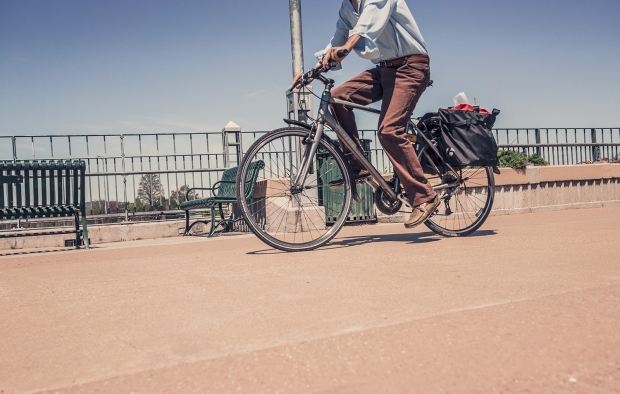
(539, 189)
(534, 189)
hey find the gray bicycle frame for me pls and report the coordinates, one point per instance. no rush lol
(325, 116)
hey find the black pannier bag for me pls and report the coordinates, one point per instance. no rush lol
(466, 137)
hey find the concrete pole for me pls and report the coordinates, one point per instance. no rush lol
(297, 48)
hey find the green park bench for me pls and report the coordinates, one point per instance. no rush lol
(224, 192)
(44, 189)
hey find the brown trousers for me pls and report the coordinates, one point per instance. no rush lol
(399, 88)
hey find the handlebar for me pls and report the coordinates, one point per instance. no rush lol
(316, 71)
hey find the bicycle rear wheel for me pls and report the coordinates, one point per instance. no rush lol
(293, 218)
(465, 207)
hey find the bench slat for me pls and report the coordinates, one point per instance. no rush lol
(52, 187)
(75, 188)
(10, 192)
(59, 182)
(18, 192)
(1, 191)
(43, 187)
(27, 187)
(35, 187)
(67, 200)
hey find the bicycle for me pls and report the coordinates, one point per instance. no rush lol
(288, 209)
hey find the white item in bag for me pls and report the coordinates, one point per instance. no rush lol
(460, 99)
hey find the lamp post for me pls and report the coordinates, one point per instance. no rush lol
(298, 103)
(297, 48)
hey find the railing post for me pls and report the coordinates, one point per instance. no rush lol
(537, 136)
(14, 146)
(231, 127)
(595, 149)
(124, 177)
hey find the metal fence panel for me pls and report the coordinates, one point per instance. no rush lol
(117, 163)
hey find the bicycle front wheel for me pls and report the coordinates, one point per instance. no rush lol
(465, 206)
(286, 216)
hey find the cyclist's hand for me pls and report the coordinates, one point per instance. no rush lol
(296, 79)
(331, 57)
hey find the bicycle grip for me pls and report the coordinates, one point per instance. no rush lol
(342, 53)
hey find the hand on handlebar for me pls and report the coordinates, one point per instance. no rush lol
(296, 80)
(333, 56)
(301, 79)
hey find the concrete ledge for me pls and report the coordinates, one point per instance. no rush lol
(99, 234)
(582, 172)
(534, 175)
(549, 208)
(510, 176)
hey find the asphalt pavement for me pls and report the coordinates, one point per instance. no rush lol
(530, 303)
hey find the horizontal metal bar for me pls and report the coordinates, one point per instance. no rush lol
(11, 179)
(104, 158)
(115, 135)
(155, 172)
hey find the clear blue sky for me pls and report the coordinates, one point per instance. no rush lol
(82, 66)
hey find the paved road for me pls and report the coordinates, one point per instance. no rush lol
(531, 304)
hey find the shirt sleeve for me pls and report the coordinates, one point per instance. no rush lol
(373, 19)
(342, 32)
(340, 37)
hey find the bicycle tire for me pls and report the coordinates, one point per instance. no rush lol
(282, 218)
(460, 214)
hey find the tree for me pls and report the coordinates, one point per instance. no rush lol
(150, 190)
(100, 207)
(178, 196)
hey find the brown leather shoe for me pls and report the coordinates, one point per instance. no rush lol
(422, 212)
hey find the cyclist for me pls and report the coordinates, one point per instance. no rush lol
(385, 32)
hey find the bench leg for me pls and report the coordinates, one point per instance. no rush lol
(224, 220)
(77, 231)
(212, 222)
(186, 223)
(85, 232)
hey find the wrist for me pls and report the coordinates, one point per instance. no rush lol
(352, 42)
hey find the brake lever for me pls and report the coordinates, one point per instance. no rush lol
(308, 76)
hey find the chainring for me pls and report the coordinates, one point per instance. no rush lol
(385, 204)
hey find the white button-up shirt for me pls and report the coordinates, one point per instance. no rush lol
(387, 27)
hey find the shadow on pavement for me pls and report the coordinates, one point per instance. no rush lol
(416, 238)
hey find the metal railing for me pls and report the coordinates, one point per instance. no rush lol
(563, 146)
(133, 173)
(118, 165)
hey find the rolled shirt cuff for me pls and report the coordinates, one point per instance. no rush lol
(366, 48)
